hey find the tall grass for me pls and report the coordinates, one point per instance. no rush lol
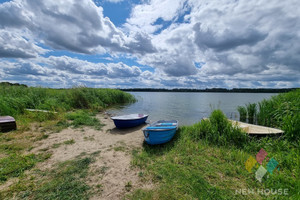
(252, 111)
(243, 113)
(15, 99)
(281, 111)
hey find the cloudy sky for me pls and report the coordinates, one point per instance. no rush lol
(151, 43)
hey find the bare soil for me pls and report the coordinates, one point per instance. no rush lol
(111, 175)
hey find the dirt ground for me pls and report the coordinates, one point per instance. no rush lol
(111, 172)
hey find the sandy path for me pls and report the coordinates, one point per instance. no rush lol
(111, 171)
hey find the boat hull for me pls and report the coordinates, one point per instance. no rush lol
(160, 132)
(158, 137)
(128, 123)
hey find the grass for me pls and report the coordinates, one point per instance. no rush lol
(65, 181)
(14, 165)
(251, 111)
(243, 113)
(81, 118)
(207, 161)
(67, 142)
(128, 186)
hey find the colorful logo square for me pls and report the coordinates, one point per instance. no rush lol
(259, 174)
(260, 156)
(250, 163)
(272, 164)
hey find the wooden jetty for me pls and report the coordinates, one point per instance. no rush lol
(252, 129)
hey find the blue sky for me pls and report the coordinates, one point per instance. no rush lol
(150, 43)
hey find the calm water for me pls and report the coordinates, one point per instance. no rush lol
(188, 108)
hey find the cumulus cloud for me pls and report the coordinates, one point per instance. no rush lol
(69, 71)
(228, 39)
(236, 40)
(144, 16)
(13, 45)
(77, 26)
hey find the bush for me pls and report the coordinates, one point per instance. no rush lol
(217, 130)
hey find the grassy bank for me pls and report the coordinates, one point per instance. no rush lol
(74, 107)
(207, 161)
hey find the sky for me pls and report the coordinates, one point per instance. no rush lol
(150, 43)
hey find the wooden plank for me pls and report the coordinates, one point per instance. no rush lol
(37, 110)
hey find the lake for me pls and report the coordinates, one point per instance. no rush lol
(188, 107)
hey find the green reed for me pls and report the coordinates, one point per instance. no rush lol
(15, 99)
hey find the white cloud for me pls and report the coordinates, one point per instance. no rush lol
(114, 1)
(232, 38)
(69, 71)
(13, 45)
(77, 26)
(144, 16)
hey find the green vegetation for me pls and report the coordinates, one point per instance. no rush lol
(83, 118)
(65, 181)
(281, 111)
(67, 142)
(251, 111)
(14, 165)
(243, 113)
(248, 113)
(217, 130)
(207, 160)
(15, 99)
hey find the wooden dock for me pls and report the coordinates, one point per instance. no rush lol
(252, 129)
(7, 123)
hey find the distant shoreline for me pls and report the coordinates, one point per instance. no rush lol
(214, 90)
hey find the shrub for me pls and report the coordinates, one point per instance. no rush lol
(217, 130)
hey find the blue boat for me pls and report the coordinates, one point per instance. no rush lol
(127, 121)
(160, 132)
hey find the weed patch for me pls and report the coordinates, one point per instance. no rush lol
(65, 181)
(83, 118)
(14, 165)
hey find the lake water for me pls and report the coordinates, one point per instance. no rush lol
(187, 107)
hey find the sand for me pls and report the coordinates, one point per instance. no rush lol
(111, 171)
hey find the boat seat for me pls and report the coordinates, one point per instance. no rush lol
(160, 127)
(167, 124)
